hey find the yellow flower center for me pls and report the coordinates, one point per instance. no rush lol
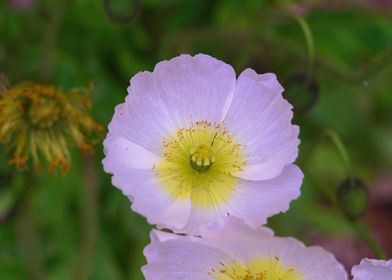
(199, 163)
(259, 269)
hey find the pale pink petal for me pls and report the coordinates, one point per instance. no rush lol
(143, 119)
(255, 201)
(171, 256)
(201, 216)
(177, 92)
(181, 259)
(175, 216)
(232, 227)
(161, 236)
(370, 269)
(196, 88)
(150, 199)
(260, 120)
(309, 262)
(252, 201)
(123, 154)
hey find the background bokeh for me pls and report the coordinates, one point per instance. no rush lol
(79, 226)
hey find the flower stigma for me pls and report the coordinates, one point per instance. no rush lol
(202, 157)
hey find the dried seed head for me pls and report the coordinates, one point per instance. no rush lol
(42, 122)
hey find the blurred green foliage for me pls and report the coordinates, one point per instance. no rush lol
(79, 226)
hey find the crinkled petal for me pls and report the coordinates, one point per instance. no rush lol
(177, 92)
(309, 262)
(171, 256)
(252, 201)
(255, 244)
(199, 216)
(181, 259)
(143, 122)
(133, 173)
(123, 154)
(255, 201)
(370, 269)
(232, 227)
(149, 198)
(260, 119)
(196, 88)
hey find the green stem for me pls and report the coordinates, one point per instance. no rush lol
(360, 230)
(28, 237)
(303, 24)
(364, 234)
(89, 220)
(56, 12)
(341, 149)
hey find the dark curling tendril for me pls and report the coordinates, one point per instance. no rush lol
(116, 12)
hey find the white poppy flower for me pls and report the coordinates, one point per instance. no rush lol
(237, 251)
(192, 144)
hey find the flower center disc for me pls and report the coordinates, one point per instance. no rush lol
(199, 163)
(258, 269)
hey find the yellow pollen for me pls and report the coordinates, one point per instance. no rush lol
(258, 269)
(200, 163)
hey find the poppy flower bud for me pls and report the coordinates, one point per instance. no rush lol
(353, 198)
